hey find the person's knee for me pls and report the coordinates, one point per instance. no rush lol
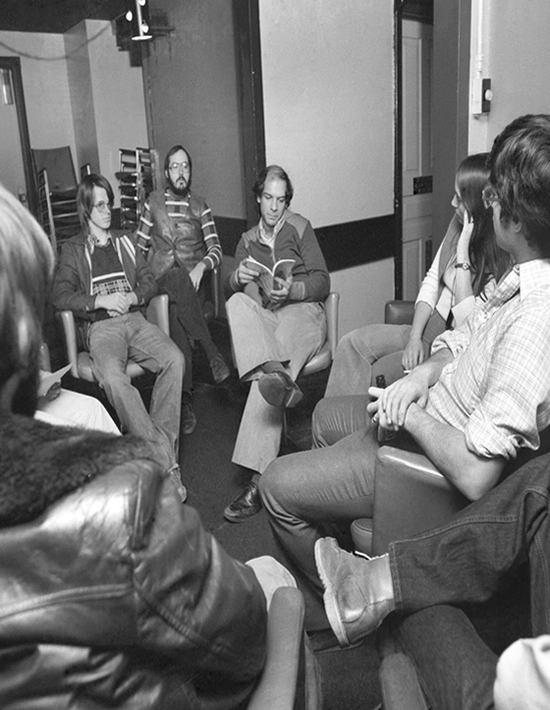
(319, 423)
(238, 305)
(172, 357)
(112, 377)
(337, 417)
(273, 486)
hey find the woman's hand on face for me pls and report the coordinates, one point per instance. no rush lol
(413, 354)
(463, 245)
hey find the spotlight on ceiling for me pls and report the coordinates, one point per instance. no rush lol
(138, 17)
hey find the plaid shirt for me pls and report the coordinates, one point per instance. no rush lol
(497, 388)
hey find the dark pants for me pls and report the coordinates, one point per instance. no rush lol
(468, 561)
(187, 323)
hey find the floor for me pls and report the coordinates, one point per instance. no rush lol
(350, 678)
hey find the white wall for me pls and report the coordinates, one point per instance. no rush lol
(107, 97)
(80, 91)
(363, 291)
(45, 86)
(516, 57)
(118, 98)
(327, 71)
(12, 173)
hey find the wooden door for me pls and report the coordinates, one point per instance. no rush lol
(417, 51)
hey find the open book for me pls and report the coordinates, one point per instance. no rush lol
(282, 270)
(49, 379)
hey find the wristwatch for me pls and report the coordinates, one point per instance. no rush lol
(463, 265)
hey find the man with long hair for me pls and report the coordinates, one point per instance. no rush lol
(103, 278)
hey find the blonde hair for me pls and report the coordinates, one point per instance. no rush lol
(26, 268)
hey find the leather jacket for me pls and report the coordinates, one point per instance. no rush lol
(175, 239)
(115, 596)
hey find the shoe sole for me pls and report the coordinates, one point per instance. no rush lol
(239, 517)
(329, 598)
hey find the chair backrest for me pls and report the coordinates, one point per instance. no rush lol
(59, 164)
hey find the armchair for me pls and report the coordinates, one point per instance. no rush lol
(280, 685)
(324, 357)
(81, 366)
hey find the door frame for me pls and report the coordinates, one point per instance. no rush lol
(14, 65)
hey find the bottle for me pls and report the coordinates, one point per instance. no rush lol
(384, 435)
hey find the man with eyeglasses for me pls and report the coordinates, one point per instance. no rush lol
(103, 278)
(177, 234)
(483, 395)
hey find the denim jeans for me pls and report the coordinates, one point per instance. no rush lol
(467, 561)
(358, 353)
(374, 350)
(112, 343)
(304, 492)
(291, 335)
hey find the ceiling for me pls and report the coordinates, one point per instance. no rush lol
(55, 15)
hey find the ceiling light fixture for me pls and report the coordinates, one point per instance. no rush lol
(138, 17)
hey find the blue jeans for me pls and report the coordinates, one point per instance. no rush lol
(374, 350)
(357, 355)
(304, 492)
(467, 561)
(112, 343)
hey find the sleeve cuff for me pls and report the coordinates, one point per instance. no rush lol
(297, 291)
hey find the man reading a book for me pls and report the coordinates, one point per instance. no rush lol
(275, 331)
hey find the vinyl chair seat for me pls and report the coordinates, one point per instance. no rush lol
(81, 366)
(323, 359)
(280, 684)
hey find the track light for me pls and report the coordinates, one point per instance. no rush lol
(138, 17)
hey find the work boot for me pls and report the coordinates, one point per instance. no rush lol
(358, 591)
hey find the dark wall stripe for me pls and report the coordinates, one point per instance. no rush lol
(354, 243)
(344, 245)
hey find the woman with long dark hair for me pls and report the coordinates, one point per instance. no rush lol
(467, 267)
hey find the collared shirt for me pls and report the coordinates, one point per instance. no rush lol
(269, 239)
(497, 388)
